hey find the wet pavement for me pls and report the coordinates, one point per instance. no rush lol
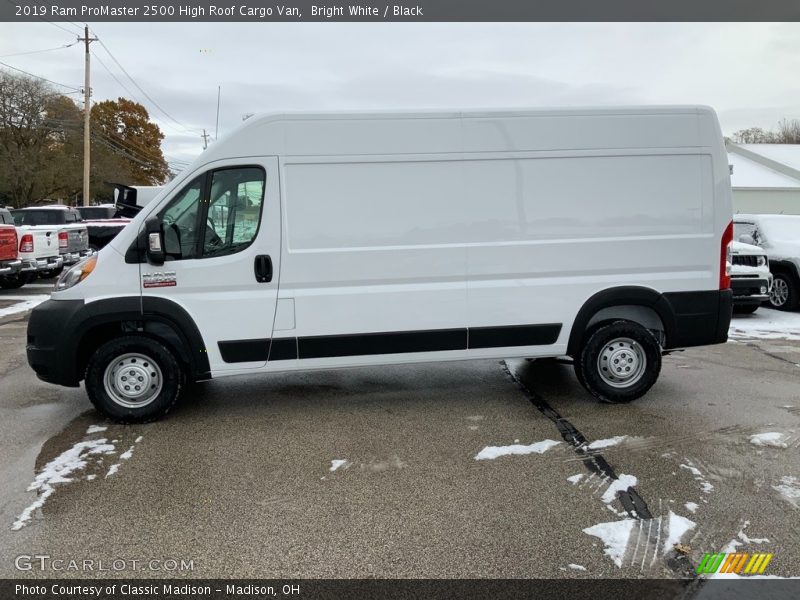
(238, 480)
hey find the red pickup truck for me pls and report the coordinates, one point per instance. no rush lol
(10, 263)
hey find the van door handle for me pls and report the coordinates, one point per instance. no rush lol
(263, 268)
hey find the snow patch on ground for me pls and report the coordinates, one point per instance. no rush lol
(766, 324)
(575, 478)
(95, 429)
(789, 488)
(692, 506)
(773, 439)
(677, 527)
(575, 567)
(337, 463)
(112, 470)
(20, 307)
(618, 485)
(705, 485)
(492, 452)
(732, 546)
(615, 536)
(607, 443)
(60, 470)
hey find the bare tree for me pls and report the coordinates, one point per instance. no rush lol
(788, 133)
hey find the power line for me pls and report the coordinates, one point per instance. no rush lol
(146, 95)
(71, 87)
(39, 51)
(114, 77)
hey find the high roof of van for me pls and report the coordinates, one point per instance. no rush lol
(446, 131)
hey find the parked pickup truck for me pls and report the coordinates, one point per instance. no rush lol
(73, 237)
(104, 222)
(751, 280)
(36, 249)
(10, 263)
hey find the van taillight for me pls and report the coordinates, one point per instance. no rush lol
(26, 243)
(725, 258)
(63, 239)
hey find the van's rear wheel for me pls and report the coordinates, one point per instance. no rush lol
(133, 379)
(619, 362)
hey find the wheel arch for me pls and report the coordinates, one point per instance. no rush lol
(157, 318)
(641, 305)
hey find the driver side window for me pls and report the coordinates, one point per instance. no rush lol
(179, 222)
(217, 213)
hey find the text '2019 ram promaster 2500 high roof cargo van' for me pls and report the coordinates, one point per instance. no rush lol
(308, 241)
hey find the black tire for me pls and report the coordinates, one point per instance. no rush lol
(578, 368)
(745, 309)
(620, 341)
(142, 355)
(49, 274)
(784, 293)
(13, 282)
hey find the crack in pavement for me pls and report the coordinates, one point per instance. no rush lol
(596, 464)
(771, 355)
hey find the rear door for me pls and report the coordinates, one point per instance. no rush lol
(222, 241)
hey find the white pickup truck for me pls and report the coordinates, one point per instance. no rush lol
(37, 251)
(72, 237)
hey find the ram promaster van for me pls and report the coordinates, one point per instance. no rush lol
(317, 241)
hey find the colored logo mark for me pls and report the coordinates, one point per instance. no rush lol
(736, 562)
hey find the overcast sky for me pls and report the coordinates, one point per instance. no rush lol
(748, 72)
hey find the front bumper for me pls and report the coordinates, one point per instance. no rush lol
(51, 346)
(10, 267)
(750, 290)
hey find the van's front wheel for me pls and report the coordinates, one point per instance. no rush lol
(133, 379)
(619, 362)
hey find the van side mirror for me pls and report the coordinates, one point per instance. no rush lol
(747, 239)
(155, 241)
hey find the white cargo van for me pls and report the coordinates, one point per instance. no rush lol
(315, 241)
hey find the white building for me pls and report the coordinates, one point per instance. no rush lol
(765, 178)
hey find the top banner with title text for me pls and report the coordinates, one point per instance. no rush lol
(399, 10)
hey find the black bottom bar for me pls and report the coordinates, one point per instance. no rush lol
(390, 342)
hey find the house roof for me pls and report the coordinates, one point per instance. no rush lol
(750, 174)
(764, 166)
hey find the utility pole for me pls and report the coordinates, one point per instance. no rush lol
(87, 107)
(205, 137)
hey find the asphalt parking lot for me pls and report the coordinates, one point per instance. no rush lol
(468, 469)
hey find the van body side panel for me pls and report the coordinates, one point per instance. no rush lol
(558, 229)
(371, 248)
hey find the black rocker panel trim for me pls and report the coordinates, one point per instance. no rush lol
(514, 335)
(390, 342)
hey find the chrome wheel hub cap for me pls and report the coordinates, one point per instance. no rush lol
(621, 363)
(780, 293)
(133, 380)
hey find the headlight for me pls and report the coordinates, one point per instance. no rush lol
(77, 273)
(761, 261)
